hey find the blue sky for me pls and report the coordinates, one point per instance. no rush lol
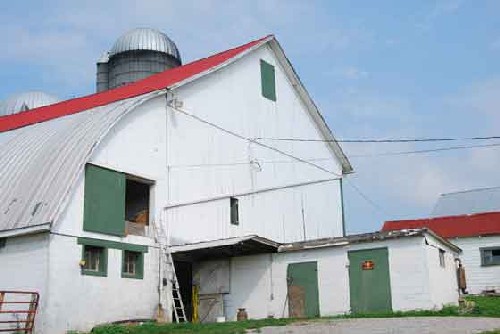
(377, 69)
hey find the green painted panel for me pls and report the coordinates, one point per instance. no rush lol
(112, 244)
(302, 280)
(268, 80)
(104, 206)
(369, 281)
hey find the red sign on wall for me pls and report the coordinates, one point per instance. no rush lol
(368, 265)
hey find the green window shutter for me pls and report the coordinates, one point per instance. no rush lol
(268, 80)
(104, 201)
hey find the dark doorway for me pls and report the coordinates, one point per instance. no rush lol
(184, 271)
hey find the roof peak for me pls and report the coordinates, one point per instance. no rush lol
(159, 81)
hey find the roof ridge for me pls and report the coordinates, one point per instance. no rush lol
(468, 190)
(154, 82)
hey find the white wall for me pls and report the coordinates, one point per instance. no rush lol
(258, 283)
(23, 267)
(478, 277)
(443, 280)
(205, 162)
(78, 302)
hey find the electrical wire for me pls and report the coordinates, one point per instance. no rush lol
(377, 140)
(440, 149)
(366, 198)
(254, 141)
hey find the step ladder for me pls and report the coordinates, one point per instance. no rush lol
(169, 274)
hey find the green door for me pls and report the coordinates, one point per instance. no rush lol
(302, 281)
(369, 281)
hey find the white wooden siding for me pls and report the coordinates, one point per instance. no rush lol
(479, 277)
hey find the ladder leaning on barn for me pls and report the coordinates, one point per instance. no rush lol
(168, 273)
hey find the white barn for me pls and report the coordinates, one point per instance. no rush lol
(91, 187)
(178, 149)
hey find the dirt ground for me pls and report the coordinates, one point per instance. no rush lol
(438, 325)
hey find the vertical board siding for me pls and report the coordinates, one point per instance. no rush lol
(268, 80)
(104, 201)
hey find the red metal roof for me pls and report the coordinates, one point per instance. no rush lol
(479, 224)
(155, 82)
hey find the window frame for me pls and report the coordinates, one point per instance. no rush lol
(442, 259)
(103, 263)
(482, 250)
(139, 274)
(234, 209)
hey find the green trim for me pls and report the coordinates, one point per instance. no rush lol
(139, 267)
(103, 270)
(112, 244)
(344, 233)
(268, 80)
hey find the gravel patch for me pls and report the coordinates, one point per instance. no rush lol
(427, 325)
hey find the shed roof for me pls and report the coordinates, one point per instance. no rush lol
(364, 238)
(468, 202)
(45, 149)
(223, 248)
(461, 226)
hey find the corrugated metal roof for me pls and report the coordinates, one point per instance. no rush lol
(40, 164)
(480, 224)
(468, 202)
(145, 39)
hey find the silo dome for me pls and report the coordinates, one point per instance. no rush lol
(145, 39)
(26, 101)
(136, 55)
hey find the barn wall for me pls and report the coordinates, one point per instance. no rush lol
(479, 277)
(23, 263)
(136, 146)
(205, 162)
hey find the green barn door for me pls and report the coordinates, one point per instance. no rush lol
(370, 286)
(302, 281)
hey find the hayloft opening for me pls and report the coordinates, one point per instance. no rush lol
(137, 193)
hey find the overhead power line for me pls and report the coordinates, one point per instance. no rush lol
(440, 149)
(254, 141)
(381, 140)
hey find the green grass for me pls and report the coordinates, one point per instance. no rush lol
(484, 307)
(219, 328)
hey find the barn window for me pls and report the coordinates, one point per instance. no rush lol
(490, 256)
(95, 261)
(235, 219)
(115, 203)
(268, 80)
(442, 262)
(3, 241)
(132, 264)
